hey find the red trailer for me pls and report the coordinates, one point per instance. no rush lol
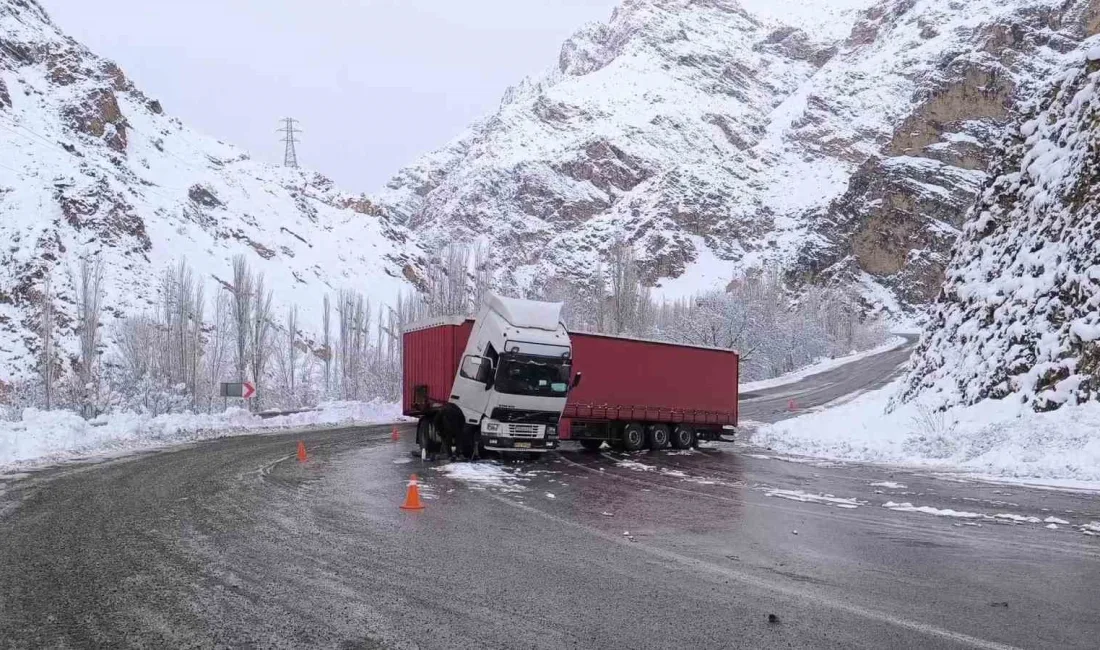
(638, 393)
(431, 353)
(634, 393)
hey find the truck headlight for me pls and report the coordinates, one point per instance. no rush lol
(491, 426)
(551, 432)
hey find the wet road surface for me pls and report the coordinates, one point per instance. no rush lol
(234, 543)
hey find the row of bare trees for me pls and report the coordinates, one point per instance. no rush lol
(174, 356)
(774, 329)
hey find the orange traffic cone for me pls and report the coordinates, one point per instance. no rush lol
(394, 435)
(412, 497)
(301, 452)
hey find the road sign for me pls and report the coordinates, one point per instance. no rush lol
(244, 389)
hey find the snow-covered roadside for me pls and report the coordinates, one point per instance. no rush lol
(820, 366)
(997, 440)
(44, 437)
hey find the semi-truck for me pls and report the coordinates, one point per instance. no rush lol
(514, 379)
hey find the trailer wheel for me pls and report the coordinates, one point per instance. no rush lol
(683, 437)
(591, 445)
(633, 437)
(658, 436)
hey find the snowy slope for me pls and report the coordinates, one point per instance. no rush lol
(1019, 316)
(90, 165)
(717, 136)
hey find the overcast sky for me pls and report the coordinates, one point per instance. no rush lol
(375, 83)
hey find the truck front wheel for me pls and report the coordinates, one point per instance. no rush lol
(427, 436)
(591, 445)
(658, 436)
(633, 437)
(683, 437)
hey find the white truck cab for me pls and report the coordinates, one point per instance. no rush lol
(514, 376)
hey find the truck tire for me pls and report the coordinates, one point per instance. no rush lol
(468, 441)
(657, 437)
(683, 437)
(633, 437)
(426, 435)
(591, 445)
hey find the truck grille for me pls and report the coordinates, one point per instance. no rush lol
(526, 417)
(523, 430)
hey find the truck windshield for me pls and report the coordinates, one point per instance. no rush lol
(524, 374)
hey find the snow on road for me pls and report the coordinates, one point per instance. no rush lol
(671, 473)
(1051, 522)
(992, 439)
(485, 475)
(889, 485)
(806, 497)
(43, 437)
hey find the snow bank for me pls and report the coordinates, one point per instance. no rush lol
(992, 438)
(49, 436)
(821, 366)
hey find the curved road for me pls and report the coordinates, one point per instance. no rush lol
(774, 404)
(234, 543)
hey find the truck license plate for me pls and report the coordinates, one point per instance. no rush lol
(523, 445)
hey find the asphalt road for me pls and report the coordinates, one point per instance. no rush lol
(234, 543)
(782, 402)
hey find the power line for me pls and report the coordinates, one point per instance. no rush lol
(290, 154)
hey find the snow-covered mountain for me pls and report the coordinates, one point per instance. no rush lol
(718, 138)
(90, 165)
(1019, 315)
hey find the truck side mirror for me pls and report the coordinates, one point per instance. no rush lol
(576, 380)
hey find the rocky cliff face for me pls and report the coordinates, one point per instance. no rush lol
(1019, 314)
(91, 166)
(717, 141)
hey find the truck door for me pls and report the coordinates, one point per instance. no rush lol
(471, 393)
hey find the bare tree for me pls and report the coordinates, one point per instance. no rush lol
(483, 276)
(243, 295)
(260, 348)
(197, 344)
(91, 312)
(327, 319)
(218, 345)
(448, 282)
(183, 288)
(629, 300)
(288, 361)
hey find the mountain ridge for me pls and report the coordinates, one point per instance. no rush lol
(718, 142)
(94, 167)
